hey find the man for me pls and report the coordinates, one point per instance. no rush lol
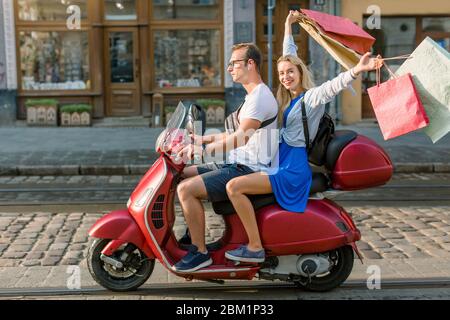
(248, 144)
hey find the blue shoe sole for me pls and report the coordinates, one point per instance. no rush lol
(200, 266)
(242, 259)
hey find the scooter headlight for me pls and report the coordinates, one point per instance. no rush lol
(143, 199)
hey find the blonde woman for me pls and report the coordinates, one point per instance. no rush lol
(292, 181)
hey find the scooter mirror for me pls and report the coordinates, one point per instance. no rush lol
(196, 120)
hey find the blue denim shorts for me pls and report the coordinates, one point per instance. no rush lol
(216, 176)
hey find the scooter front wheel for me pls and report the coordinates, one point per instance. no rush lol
(136, 270)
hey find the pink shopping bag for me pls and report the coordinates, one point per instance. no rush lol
(397, 106)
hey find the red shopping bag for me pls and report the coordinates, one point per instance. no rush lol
(342, 30)
(397, 105)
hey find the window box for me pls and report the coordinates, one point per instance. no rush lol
(168, 112)
(42, 112)
(76, 115)
(214, 110)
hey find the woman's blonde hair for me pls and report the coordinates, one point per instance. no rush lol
(306, 81)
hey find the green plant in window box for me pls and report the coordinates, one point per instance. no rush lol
(42, 112)
(168, 111)
(214, 110)
(76, 115)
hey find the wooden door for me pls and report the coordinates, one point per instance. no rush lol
(122, 79)
(279, 16)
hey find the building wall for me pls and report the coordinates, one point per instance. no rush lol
(8, 83)
(354, 10)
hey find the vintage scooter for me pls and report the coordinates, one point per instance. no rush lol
(314, 249)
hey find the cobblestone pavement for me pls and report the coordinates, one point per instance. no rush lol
(36, 248)
(49, 239)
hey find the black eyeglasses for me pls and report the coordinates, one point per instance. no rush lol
(232, 63)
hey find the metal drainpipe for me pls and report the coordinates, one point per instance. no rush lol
(270, 6)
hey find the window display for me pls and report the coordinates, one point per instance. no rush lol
(48, 10)
(187, 58)
(186, 9)
(54, 60)
(120, 10)
(436, 24)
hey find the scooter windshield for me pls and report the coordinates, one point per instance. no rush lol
(178, 117)
(174, 129)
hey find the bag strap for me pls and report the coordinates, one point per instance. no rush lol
(305, 125)
(268, 122)
(378, 70)
(263, 124)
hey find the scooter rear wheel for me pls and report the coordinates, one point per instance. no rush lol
(135, 272)
(343, 258)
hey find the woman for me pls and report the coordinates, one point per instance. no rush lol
(292, 181)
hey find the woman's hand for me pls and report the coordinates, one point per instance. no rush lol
(292, 17)
(366, 63)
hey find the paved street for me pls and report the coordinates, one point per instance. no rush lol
(40, 244)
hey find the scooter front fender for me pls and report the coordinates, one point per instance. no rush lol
(121, 227)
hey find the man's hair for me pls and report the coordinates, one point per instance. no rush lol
(252, 52)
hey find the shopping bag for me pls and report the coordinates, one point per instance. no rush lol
(430, 69)
(397, 105)
(346, 57)
(343, 30)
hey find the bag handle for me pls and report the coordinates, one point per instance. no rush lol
(378, 70)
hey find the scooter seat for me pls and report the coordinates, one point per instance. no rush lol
(320, 183)
(340, 140)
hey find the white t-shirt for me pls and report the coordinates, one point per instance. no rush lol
(262, 146)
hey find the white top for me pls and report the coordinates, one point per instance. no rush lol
(262, 146)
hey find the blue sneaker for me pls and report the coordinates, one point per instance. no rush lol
(193, 261)
(244, 255)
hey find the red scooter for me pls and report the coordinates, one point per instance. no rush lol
(314, 249)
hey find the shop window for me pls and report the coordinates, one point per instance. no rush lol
(187, 58)
(120, 10)
(54, 60)
(436, 24)
(186, 9)
(48, 10)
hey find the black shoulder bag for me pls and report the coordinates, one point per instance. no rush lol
(317, 150)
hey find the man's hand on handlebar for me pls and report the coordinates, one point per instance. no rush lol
(189, 151)
(196, 139)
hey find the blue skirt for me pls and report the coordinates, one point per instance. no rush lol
(292, 181)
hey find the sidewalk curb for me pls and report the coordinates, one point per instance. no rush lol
(123, 170)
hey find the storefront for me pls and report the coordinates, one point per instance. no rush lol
(404, 24)
(122, 53)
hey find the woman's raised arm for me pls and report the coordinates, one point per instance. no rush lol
(289, 47)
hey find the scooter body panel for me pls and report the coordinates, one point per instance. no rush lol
(120, 225)
(319, 229)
